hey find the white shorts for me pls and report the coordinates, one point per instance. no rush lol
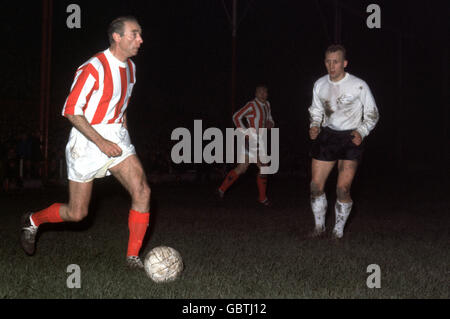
(84, 159)
(254, 150)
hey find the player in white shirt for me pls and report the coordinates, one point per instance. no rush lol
(342, 114)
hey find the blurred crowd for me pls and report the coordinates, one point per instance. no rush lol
(22, 157)
(22, 161)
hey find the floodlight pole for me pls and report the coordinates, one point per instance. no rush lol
(45, 79)
(233, 56)
(399, 108)
(445, 96)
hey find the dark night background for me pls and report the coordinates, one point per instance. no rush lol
(184, 70)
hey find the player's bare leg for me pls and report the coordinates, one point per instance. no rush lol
(241, 168)
(131, 175)
(74, 211)
(79, 198)
(347, 170)
(320, 170)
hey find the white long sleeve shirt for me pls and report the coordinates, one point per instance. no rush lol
(344, 105)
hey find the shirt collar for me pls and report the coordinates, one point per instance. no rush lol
(340, 81)
(256, 99)
(113, 59)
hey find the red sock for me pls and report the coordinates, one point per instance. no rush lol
(261, 182)
(137, 224)
(48, 215)
(229, 180)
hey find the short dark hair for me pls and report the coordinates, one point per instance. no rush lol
(261, 85)
(117, 26)
(335, 48)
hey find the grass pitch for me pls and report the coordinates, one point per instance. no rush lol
(237, 249)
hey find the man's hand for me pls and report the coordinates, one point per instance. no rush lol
(314, 132)
(269, 124)
(357, 138)
(109, 148)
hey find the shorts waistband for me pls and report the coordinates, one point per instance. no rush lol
(326, 128)
(107, 125)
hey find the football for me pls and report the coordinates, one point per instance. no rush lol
(163, 264)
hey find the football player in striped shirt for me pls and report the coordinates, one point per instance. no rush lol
(254, 115)
(99, 143)
(343, 112)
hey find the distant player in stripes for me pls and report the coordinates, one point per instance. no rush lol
(254, 115)
(342, 114)
(99, 143)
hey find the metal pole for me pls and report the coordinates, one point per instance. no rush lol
(45, 78)
(445, 95)
(49, 64)
(399, 108)
(21, 168)
(43, 70)
(233, 57)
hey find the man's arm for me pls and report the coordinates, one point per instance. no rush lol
(125, 122)
(107, 147)
(238, 117)
(315, 115)
(270, 122)
(370, 112)
(86, 80)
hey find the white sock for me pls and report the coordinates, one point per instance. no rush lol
(31, 221)
(342, 211)
(319, 208)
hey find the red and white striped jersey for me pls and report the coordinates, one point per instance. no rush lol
(256, 113)
(101, 89)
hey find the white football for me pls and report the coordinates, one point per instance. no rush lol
(163, 264)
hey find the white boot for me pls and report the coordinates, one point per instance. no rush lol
(342, 211)
(319, 207)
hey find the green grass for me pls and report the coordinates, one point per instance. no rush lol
(237, 249)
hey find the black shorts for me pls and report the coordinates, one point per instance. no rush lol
(331, 145)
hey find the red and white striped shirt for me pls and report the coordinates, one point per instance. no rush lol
(256, 113)
(101, 89)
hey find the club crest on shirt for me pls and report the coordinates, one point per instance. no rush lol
(345, 99)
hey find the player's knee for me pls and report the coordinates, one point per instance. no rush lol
(316, 189)
(241, 169)
(343, 192)
(142, 192)
(77, 215)
(146, 192)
